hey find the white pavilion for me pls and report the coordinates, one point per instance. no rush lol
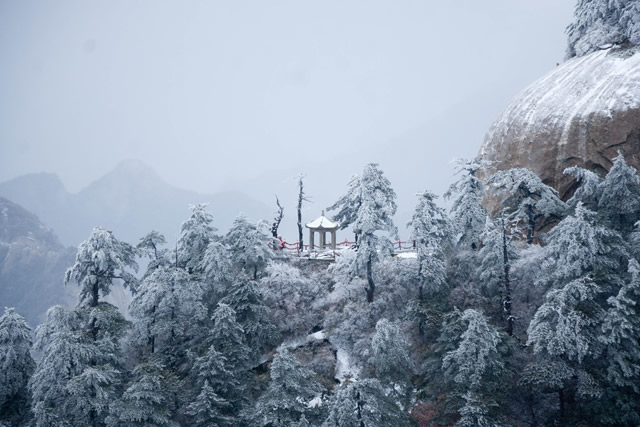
(322, 225)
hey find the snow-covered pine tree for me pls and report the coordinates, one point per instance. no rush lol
(496, 258)
(431, 231)
(526, 198)
(150, 247)
(146, 401)
(474, 365)
(249, 245)
(364, 403)
(621, 333)
(208, 409)
(587, 190)
(375, 214)
(469, 216)
(212, 369)
(101, 260)
(227, 337)
(214, 385)
(391, 359)
(476, 358)
(218, 273)
(348, 205)
(289, 294)
(564, 335)
(195, 235)
(290, 390)
(619, 196)
(65, 354)
(578, 246)
(565, 325)
(245, 298)
(474, 413)
(599, 24)
(16, 367)
(168, 312)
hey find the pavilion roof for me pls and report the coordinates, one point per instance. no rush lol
(323, 223)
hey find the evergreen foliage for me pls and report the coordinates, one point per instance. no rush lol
(468, 214)
(599, 24)
(206, 317)
(250, 247)
(16, 367)
(290, 390)
(431, 232)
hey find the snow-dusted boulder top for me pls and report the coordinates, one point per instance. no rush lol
(579, 114)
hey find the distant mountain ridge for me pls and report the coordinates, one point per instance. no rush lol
(32, 264)
(130, 200)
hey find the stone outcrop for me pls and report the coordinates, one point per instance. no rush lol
(580, 114)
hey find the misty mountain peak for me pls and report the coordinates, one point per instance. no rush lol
(135, 169)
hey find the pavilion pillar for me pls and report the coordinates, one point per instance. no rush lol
(311, 233)
(323, 237)
(333, 239)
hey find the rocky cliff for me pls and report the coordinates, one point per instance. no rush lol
(581, 114)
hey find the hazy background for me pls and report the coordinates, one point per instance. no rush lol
(244, 95)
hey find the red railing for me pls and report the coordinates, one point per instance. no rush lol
(398, 245)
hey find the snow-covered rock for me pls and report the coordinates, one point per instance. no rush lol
(581, 113)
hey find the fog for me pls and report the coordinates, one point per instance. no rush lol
(246, 95)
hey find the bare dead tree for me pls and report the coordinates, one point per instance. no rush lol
(301, 198)
(278, 219)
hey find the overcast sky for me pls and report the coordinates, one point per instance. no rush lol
(210, 93)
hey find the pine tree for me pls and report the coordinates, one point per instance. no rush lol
(212, 369)
(469, 216)
(195, 235)
(564, 336)
(16, 367)
(621, 333)
(290, 389)
(364, 404)
(249, 245)
(252, 314)
(101, 260)
(431, 231)
(391, 359)
(527, 198)
(164, 308)
(588, 183)
(375, 214)
(473, 366)
(289, 294)
(619, 196)
(150, 246)
(208, 409)
(66, 353)
(348, 205)
(147, 400)
(227, 337)
(218, 273)
(578, 246)
(601, 23)
(476, 356)
(496, 258)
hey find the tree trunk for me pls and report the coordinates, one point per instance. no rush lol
(301, 198)
(277, 220)
(372, 287)
(506, 302)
